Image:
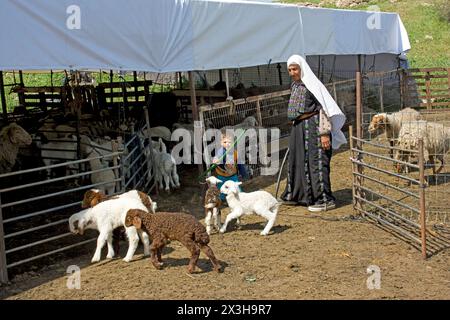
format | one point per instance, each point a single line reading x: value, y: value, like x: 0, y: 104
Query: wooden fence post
x: 448, y: 76
x: 428, y: 89
x: 3, y: 268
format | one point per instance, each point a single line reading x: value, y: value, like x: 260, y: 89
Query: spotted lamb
x: 212, y: 204
x: 95, y: 196
x: 105, y: 217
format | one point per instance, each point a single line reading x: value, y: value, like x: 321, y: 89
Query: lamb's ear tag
x: 137, y: 222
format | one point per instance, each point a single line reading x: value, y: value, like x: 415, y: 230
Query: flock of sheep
x: 134, y: 212
x: 404, y: 129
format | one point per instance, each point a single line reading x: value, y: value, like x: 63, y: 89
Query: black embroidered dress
x: 308, y: 180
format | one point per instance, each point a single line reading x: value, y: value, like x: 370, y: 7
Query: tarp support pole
x: 195, y: 115
x: 3, y: 98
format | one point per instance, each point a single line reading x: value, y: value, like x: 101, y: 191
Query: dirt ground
x: 306, y: 256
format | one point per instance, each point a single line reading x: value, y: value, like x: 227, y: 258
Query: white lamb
x: 105, y: 217
x: 260, y: 202
x: 166, y: 168
x: 436, y: 142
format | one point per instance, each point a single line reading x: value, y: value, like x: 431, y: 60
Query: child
x: 227, y: 166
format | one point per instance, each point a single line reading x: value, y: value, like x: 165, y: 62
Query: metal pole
x: 381, y: 95
x: 147, y: 121
x: 3, y: 268
x: 118, y: 173
x: 280, y: 77
x: 422, y: 199
x: 358, y: 105
x: 195, y: 116
x: 3, y: 98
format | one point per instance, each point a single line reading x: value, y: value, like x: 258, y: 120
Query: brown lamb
x: 93, y: 197
x: 164, y: 226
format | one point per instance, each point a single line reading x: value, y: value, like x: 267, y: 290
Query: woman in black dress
x: 316, y: 122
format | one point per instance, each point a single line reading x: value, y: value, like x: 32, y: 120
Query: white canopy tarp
x: 183, y: 35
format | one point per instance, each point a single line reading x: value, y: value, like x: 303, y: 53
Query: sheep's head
x: 133, y: 218
x: 17, y: 135
x: 148, y: 203
x: 92, y: 197
x: 230, y: 187
x: 251, y: 121
x: 77, y: 223
x: 213, y: 181
x: 377, y: 122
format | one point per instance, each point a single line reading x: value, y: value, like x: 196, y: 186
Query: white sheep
x: 260, y: 202
x: 212, y: 204
x: 12, y: 137
x: 106, y: 176
x: 105, y: 217
x: 247, y: 123
x: 60, y: 150
x: 436, y: 142
x: 166, y: 168
x: 159, y: 132
x: 392, y: 122
x: 93, y: 197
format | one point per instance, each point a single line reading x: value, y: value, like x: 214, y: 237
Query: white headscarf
x: 322, y: 95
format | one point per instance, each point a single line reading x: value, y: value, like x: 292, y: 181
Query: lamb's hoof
x: 109, y: 256
x: 95, y: 259
x: 191, y: 269
x: 158, y: 265
x: 222, y: 230
x: 127, y: 259
x: 218, y: 269
x: 264, y: 233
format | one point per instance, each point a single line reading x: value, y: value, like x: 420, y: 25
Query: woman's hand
x: 325, y: 140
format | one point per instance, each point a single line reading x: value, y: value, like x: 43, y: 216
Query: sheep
x: 392, y: 123
x: 260, y: 202
x: 105, y: 217
x: 166, y: 168
x: 164, y: 226
x: 60, y: 150
x: 94, y: 196
x: 212, y: 204
x: 106, y: 176
x: 12, y: 137
x: 159, y: 132
x: 436, y: 142
x: 247, y: 123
